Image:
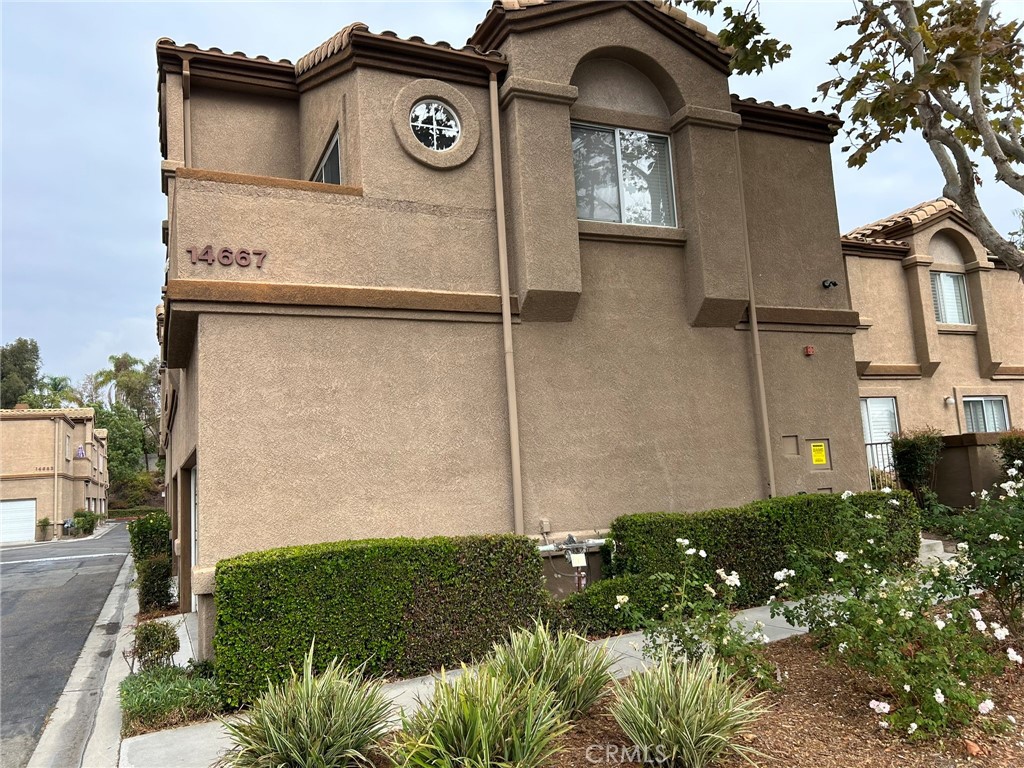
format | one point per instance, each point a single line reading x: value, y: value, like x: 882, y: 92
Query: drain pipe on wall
x: 186, y: 109
x: 754, y: 332
x: 506, y: 313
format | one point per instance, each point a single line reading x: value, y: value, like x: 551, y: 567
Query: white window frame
x: 616, y: 130
x: 318, y: 174
x: 433, y: 128
x: 955, y: 281
x: 983, y: 399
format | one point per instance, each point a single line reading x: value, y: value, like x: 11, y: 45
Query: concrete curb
x: 80, y: 717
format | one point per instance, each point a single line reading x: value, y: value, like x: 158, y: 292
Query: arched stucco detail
x: 949, y: 246
x: 622, y: 64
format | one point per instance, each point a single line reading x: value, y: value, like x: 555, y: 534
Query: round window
x: 435, y: 125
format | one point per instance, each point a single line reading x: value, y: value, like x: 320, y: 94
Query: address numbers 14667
x: 243, y: 257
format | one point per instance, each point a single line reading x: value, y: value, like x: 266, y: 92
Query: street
x: 50, y: 597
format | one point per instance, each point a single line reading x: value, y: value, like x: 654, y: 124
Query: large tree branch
x: 1004, y: 171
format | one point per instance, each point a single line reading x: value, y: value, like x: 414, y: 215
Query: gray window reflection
x: 623, y: 176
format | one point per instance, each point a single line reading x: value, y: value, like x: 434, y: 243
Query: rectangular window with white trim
x: 949, y: 296
x: 986, y: 414
x: 623, y: 176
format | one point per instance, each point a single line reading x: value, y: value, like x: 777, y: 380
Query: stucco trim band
x: 844, y: 318
x: 538, y: 90
x: 224, y: 177
x: 693, y: 114
x: 334, y: 296
x: 634, y: 234
x: 868, y: 370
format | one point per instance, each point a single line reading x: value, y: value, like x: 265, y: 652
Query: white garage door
x: 17, y: 521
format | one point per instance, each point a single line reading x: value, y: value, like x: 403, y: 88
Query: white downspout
x: 506, y: 313
x: 754, y: 333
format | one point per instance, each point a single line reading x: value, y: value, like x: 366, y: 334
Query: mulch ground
x: 821, y: 720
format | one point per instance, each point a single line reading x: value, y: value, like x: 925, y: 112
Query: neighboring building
x: 337, y: 326
x: 53, y: 462
x: 941, y: 340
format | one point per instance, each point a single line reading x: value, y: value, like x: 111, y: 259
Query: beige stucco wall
x: 28, y: 468
x: 316, y: 422
x: 325, y: 238
x: 618, y: 411
x: 244, y: 133
x: 359, y: 428
x: 333, y: 105
x: 792, y: 224
x: 955, y: 361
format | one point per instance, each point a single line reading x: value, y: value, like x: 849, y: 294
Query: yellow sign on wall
x: 819, y: 454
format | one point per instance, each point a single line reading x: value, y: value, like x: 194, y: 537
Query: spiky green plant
x: 686, y: 712
x: 576, y: 671
x: 481, y: 720
x: 330, y: 720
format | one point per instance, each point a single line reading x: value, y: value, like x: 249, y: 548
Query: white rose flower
x: 1001, y: 633
x: 841, y: 556
x: 887, y: 489
x: 912, y: 728
x: 939, y: 697
x: 846, y: 494
x: 986, y: 706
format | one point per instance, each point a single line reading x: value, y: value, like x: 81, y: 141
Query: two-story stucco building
x: 53, y: 462
x: 531, y: 284
x: 941, y: 340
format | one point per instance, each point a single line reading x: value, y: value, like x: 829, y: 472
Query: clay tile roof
x: 786, y: 108
x: 913, y: 216
x: 874, y: 241
x: 166, y: 41
x: 665, y: 6
x: 343, y: 39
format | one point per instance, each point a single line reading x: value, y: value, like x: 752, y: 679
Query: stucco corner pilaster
x: 916, y: 268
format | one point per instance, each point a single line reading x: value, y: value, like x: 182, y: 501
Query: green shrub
x: 686, y: 712
x: 915, y: 453
x: 754, y: 540
x: 917, y: 630
x: 398, y: 605
x: 150, y: 536
x: 698, y: 621
x: 154, y: 583
x: 481, y: 719
x: 993, y: 535
x: 565, y: 663
x: 155, y: 644
x: 596, y: 610
x: 85, y: 521
x: 330, y: 720
x: 163, y: 697
x: 132, y: 491
x: 44, y: 522
x: 1011, y: 449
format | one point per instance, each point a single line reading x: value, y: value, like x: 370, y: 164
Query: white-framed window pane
x: 646, y: 179
x: 329, y: 171
x: 986, y: 414
x: 949, y: 296
x: 597, y: 174
x: 878, y: 418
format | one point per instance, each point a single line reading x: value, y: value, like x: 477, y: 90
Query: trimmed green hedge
x: 150, y: 536
x: 403, y: 606
x: 592, y: 611
x: 754, y: 539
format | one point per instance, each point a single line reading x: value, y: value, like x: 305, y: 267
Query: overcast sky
x: 82, y: 207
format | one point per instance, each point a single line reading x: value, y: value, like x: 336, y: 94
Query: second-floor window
x: 329, y: 170
x: 623, y: 176
x: 986, y: 414
x: 949, y: 295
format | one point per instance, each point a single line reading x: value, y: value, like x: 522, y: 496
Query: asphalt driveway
x: 50, y: 597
